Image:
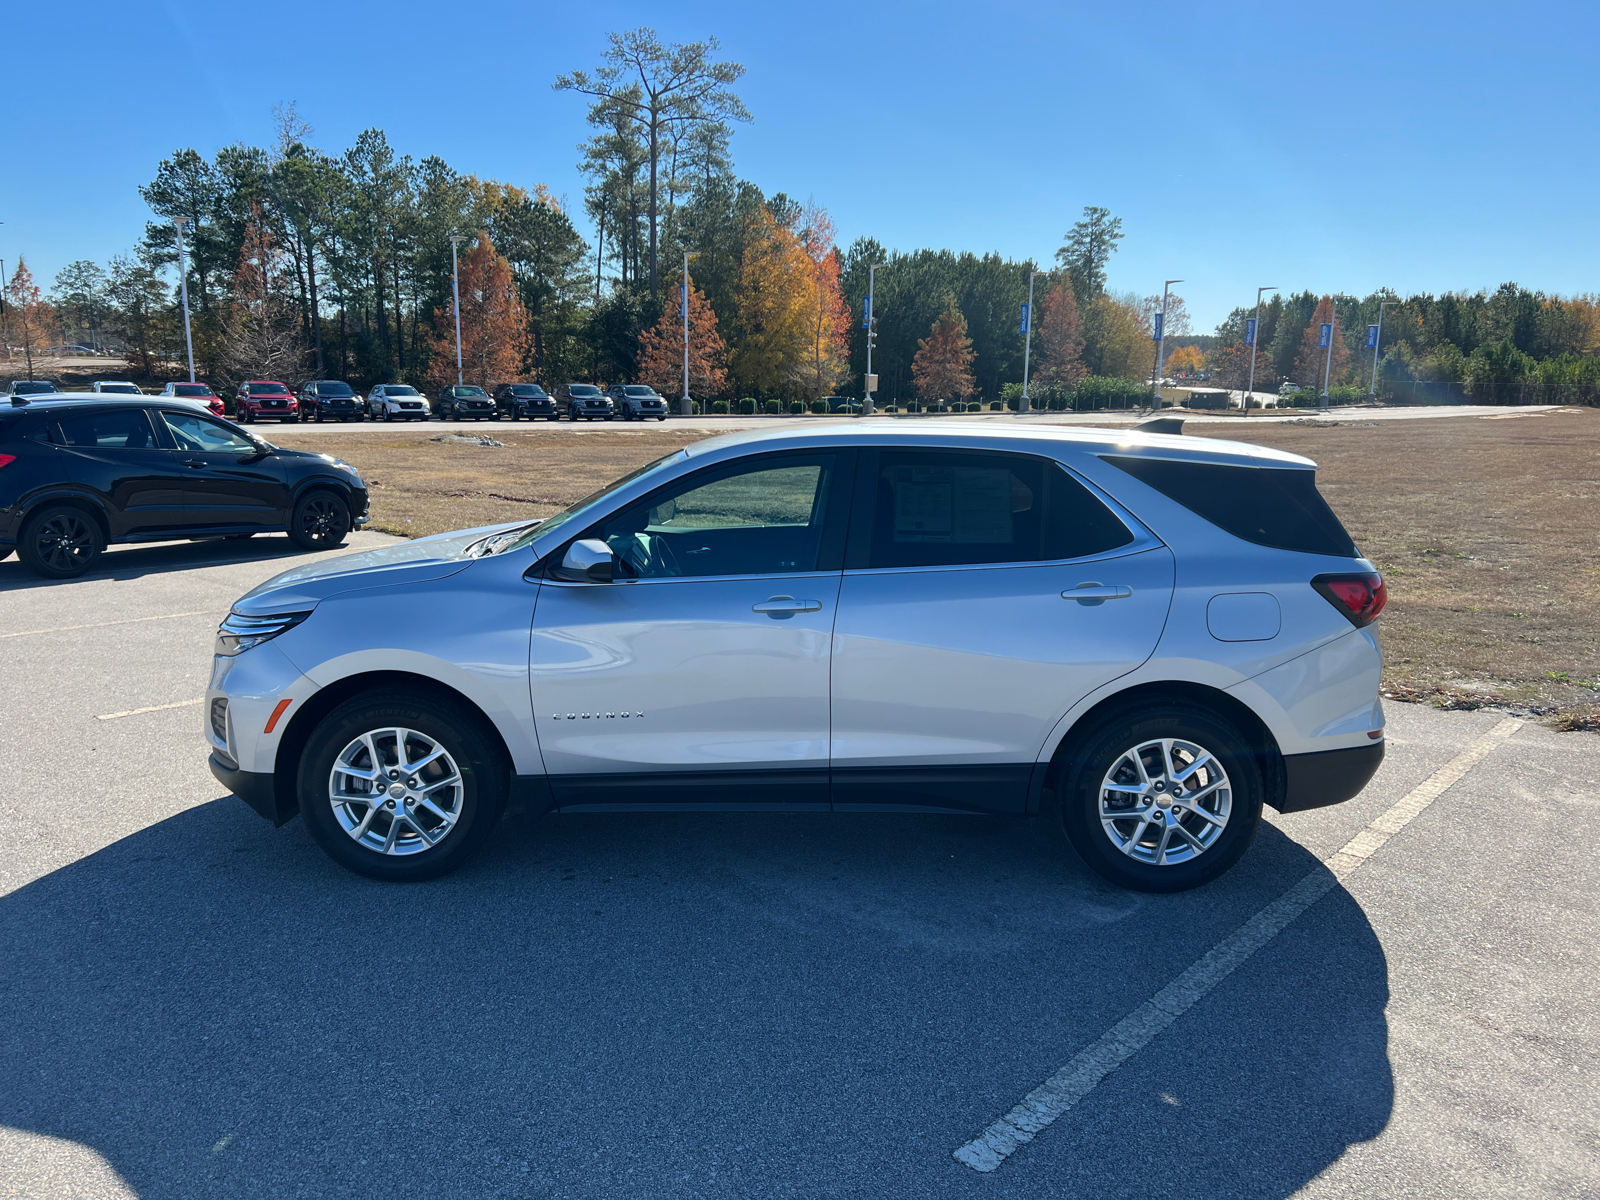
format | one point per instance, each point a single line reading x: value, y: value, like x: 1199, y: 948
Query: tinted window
x: 334, y: 389
x: 194, y: 432
x: 583, y: 389
x: 399, y: 389
x: 119, y: 389
x: 119, y: 429
x: 36, y: 388
x: 1270, y: 506
x: 471, y: 391
x: 527, y: 389
x: 639, y: 391
x: 759, y: 518
x: 942, y: 508
x: 190, y: 389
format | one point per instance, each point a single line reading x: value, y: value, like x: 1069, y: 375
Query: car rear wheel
x: 401, y: 788
x: 60, y: 542
x: 320, y: 522
x: 1162, y: 799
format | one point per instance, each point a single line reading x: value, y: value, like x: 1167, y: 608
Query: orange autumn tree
x: 1309, y: 363
x: 773, y: 306
x: 942, y: 369
x: 1185, y: 359
x: 826, y: 360
x: 661, y: 351
x: 31, y: 313
x: 494, y: 325
x: 1057, y: 342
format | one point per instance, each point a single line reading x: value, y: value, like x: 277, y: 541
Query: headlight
x: 239, y: 632
x: 340, y: 463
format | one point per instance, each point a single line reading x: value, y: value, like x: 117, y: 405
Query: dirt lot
x: 1486, y: 528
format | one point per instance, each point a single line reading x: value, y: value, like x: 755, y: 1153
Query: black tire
x: 662, y: 417
x: 320, y: 521
x: 5, y: 553
x: 316, y: 417
x: 60, y: 542
x: 476, y: 803
x: 1100, y: 749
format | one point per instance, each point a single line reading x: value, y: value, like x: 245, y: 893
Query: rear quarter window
x: 1278, y: 507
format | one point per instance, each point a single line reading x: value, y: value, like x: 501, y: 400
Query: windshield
x: 334, y: 389
x: 583, y: 389
x: 399, y: 389
x: 516, y: 539
x: 190, y: 389
x: 527, y: 389
x: 37, y: 388
x: 471, y: 391
x: 639, y: 391
x: 120, y: 389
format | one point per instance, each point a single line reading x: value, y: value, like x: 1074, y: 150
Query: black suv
x: 330, y: 400
x: 636, y: 401
x: 583, y: 402
x: 78, y: 472
x: 517, y: 400
x: 462, y: 401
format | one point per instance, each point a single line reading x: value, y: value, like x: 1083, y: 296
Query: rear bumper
x: 1328, y: 776
x: 257, y: 789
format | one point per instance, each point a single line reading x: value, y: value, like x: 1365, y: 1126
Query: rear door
x: 116, y: 453
x: 984, y: 594
x: 227, y: 481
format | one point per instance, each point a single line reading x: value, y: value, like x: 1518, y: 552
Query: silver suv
x: 1141, y: 637
x: 638, y: 401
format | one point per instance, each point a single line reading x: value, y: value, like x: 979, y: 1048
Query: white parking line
x: 134, y: 712
x: 104, y: 624
x: 1040, y: 1107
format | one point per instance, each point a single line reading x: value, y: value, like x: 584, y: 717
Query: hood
x: 407, y: 562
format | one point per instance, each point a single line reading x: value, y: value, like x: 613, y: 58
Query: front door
x: 228, y: 482
x: 117, y: 454
x: 699, y: 677
x: 984, y: 594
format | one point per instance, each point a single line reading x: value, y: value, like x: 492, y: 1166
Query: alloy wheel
x: 1165, y: 801
x: 65, y: 542
x: 396, y: 791
x: 320, y: 521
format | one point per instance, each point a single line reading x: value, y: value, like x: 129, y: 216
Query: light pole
x: 455, y: 294
x: 869, y: 382
x: 1327, y: 362
x: 1161, y: 336
x: 683, y: 302
x: 1255, y: 332
x: 1027, y: 342
x: 1372, y: 389
x: 183, y: 288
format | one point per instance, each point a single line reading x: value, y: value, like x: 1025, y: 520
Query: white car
x: 1142, y: 638
x: 117, y: 387
x: 397, y: 402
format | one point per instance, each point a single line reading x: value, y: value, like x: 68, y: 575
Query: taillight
x: 7, y: 459
x: 1359, y: 597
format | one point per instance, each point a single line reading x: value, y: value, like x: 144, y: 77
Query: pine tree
x: 942, y: 369
x: 1059, y: 344
x: 661, y: 351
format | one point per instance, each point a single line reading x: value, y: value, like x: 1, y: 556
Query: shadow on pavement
x: 698, y: 1004
x: 159, y: 558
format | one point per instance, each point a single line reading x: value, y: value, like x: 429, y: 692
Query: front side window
x: 118, y: 429
x: 944, y: 508
x: 762, y: 518
x: 193, y: 432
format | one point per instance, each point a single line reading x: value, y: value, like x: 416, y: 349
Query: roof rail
x: 1161, y: 425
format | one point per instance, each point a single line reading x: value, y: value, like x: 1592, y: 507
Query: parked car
x: 200, y: 393
x: 637, y: 401
x: 116, y: 387
x: 80, y: 470
x: 463, y: 401
x: 517, y: 400
x: 766, y: 620
x: 583, y: 402
x: 844, y: 404
x: 1288, y: 389
x: 31, y: 387
x: 330, y: 400
x: 261, y: 399
x: 397, y: 402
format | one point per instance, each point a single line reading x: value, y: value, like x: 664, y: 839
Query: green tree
x: 1089, y: 245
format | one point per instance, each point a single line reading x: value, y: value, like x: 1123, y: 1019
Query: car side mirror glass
x: 588, y: 560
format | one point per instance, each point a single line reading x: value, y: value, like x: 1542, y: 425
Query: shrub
x: 797, y: 406
x: 819, y: 406
x: 694, y: 407
x: 1101, y: 391
x: 747, y: 408
x: 774, y: 407
x: 975, y: 406
x: 889, y: 408
x: 719, y: 408
x: 913, y: 406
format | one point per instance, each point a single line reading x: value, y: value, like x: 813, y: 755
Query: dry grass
x: 1486, y: 529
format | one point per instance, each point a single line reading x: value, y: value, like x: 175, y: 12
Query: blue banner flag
x: 1024, y: 330
x: 1372, y: 336
x: 1250, y: 331
x: 1326, y: 336
x: 1156, y: 336
x: 866, y: 312
x: 683, y: 301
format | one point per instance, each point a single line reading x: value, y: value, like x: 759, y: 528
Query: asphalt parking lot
x: 755, y: 1005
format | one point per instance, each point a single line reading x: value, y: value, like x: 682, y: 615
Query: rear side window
x: 1270, y: 506
x: 119, y: 429
x: 942, y: 508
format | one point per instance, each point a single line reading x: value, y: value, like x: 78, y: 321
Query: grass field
x: 1487, y: 528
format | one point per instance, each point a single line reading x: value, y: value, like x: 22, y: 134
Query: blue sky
x: 1337, y: 147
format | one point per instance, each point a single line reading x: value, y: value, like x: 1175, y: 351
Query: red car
x: 265, y: 398
x: 197, y: 391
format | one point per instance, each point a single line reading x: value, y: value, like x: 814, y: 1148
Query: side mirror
x: 588, y: 560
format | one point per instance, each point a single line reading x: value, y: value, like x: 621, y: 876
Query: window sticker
x: 958, y: 505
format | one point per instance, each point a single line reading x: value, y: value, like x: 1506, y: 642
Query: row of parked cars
x: 335, y: 400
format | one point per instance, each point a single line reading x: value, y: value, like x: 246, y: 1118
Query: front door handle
x: 196, y: 463
x: 781, y: 608
x: 1091, y: 594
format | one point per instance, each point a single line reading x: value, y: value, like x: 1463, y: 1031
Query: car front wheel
x: 320, y: 522
x: 60, y: 543
x: 1163, y: 799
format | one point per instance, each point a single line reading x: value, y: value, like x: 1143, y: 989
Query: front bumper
x: 1328, y: 776
x: 257, y: 789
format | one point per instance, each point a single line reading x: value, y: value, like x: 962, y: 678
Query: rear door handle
x: 196, y: 463
x: 781, y: 608
x: 1091, y: 594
